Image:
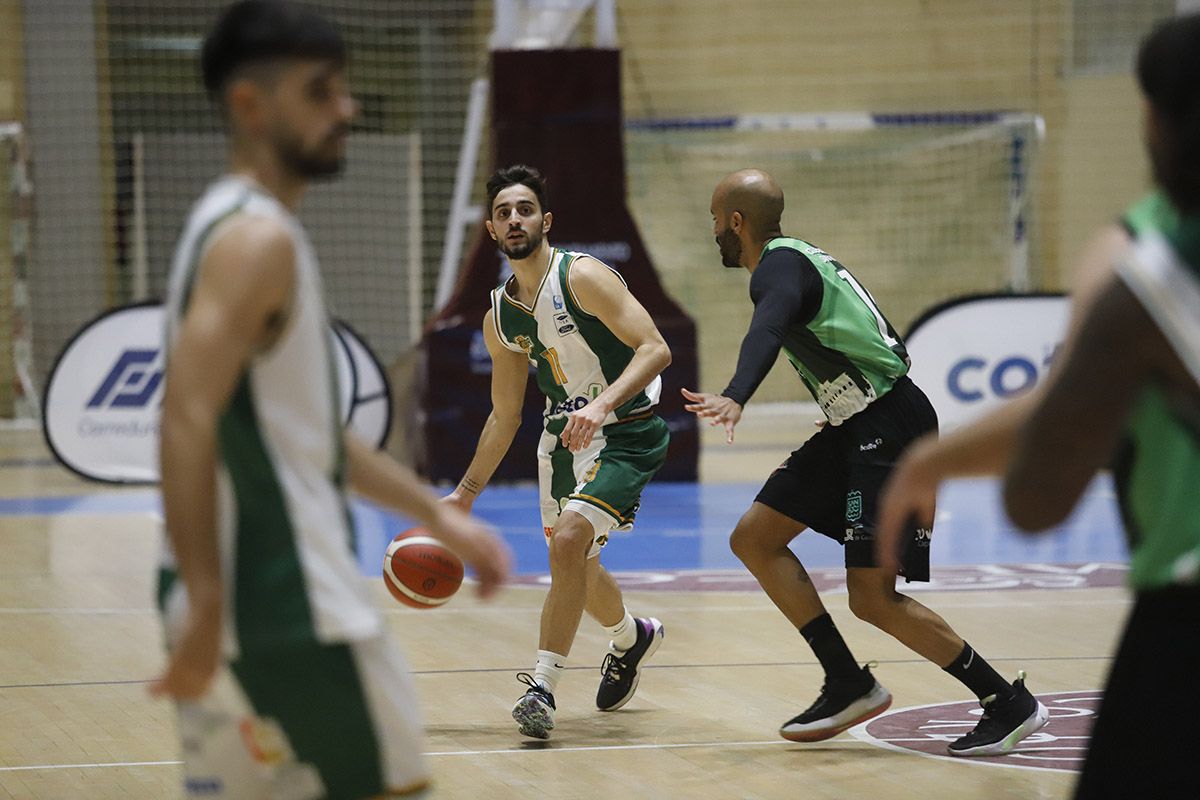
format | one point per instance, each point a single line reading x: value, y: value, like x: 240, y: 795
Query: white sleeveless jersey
x: 575, y: 354
x: 285, y: 532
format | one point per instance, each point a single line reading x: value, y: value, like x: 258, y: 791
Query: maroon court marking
x: 1060, y: 745
x: 994, y: 577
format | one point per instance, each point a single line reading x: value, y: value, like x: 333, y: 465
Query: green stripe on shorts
x: 314, y: 693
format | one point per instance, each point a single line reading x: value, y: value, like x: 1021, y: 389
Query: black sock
x: 831, y: 650
x: 977, y: 675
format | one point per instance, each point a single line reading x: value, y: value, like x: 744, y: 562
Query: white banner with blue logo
x: 973, y: 353
x: 103, y: 397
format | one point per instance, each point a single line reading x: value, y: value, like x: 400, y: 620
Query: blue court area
x: 685, y: 526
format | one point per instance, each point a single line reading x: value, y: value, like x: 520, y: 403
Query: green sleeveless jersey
x: 1158, y: 468
x: 575, y: 354
x: 848, y: 355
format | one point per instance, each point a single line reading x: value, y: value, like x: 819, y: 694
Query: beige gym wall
x: 701, y: 57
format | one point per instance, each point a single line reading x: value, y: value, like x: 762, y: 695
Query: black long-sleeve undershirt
x: 787, y: 290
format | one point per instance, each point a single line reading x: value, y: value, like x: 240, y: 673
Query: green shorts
x: 306, y: 721
x: 604, y: 481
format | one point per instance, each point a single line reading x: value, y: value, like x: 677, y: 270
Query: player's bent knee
x: 571, y: 541
x: 872, y: 605
x: 749, y: 541
x: 742, y: 543
x: 865, y: 608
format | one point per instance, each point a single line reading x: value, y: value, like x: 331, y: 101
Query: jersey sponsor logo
x: 857, y: 533
x: 564, y: 324
x: 567, y: 406
x: 842, y: 398
x: 131, y: 382
x: 862, y: 448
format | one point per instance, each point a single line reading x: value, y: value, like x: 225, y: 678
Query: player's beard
x: 730, y: 247
x: 324, y: 161
x: 526, y: 248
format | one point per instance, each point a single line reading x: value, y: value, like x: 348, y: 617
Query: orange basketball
x: 420, y: 571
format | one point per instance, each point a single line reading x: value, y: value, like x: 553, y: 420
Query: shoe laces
x: 988, y: 702
x: 825, y: 687
x: 531, y: 682
x: 824, y: 694
x: 613, y: 668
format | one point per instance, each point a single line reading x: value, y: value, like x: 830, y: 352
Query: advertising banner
x: 973, y: 353
x: 103, y: 397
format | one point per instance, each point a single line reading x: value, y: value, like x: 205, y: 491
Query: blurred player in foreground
x: 286, y: 682
x: 1125, y: 392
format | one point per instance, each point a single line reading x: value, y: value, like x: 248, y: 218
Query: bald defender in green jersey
x: 856, y: 367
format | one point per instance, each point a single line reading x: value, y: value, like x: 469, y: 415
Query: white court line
x: 93, y: 766
x: 505, y: 751
x: 860, y: 733
x: 587, y: 748
x: 95, y: 612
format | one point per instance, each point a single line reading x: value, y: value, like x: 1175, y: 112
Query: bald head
x: 754, y: 194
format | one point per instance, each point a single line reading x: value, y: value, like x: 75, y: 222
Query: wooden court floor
x: 79, y: 641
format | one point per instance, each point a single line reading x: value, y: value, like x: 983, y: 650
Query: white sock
x: 624, y: 633
x: 549, y: 669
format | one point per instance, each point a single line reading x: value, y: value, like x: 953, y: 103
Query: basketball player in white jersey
x: 286, y: 683
x: 598, y: 355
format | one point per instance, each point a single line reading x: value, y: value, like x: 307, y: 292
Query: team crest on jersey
x: 524, y: 342
x: 558, y: 301
x: 854, y: 506
x: 564, y: 323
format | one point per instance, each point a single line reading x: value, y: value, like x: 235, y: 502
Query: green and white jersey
x: 575, y: 354
x: 284, y: 530
x: 1158, y: 468
x: 848, y: 354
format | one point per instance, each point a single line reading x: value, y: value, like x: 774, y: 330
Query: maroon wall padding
x: 559, y: 111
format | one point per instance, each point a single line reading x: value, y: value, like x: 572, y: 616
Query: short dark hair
x: 1168, y: 71
x: 253, y: 31
x: 510, y: 176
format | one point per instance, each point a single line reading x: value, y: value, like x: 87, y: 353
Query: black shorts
x: 1150, y: 704
x: 832, y: 483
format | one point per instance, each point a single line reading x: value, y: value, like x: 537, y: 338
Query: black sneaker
x: 620, y: 671
x: 838, y: 707
x: 534, y: 712
x: 1005, y: 722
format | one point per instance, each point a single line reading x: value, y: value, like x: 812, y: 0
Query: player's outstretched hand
x: 909, y: 498
x: 716, y: 408
x: 194, y: 657
x: 476, y: 543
